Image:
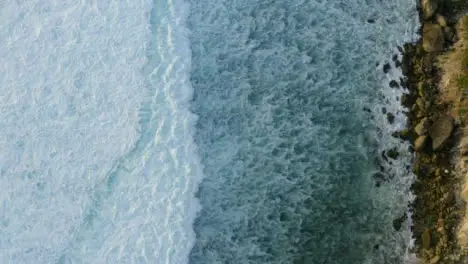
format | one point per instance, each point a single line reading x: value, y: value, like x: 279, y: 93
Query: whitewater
x: 98, y: 163
x: 202, y: 131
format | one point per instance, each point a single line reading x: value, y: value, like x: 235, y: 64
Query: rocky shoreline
x: 435, y: 132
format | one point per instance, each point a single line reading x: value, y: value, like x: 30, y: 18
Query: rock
x: 403, y: 134
x: 434, y: 260
x: 386, y: 67
x: 393, y: 153
x: 371, y: 20
x: 398, y: 64
x: 420, y: 103
x: 394, y: 84
x: 397, y: 223
x: 429, y: 7
x: 420, y: 143
x: 433, y: 38
x: 440, y: 131
x: 450, y: 34
x: 441, y: 20
x: 422, y: 87
x: 390, y: 118
x: 421, y: 127
x: 405, y: 100
x: 426, y: 239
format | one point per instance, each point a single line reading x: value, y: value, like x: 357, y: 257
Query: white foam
x: 97, y: 163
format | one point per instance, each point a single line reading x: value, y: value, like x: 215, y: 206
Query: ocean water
x: 200, y: 132
x: 97, y: 160
x: 290, y: 157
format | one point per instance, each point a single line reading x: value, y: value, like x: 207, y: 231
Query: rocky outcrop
x: 436, y: 212
x: 440, y: 132
x: 428, y: 8
x: 433, y: 38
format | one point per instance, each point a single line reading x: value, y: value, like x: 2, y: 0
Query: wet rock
x: 404, y: 100
x: 386, y: 67
x: 371, y: 20
x: 397, y: 223
x: 420, y: 143
x: 433, y: 38
x: 422, y: 126
x: 390, y: 118
x: 393, y: 153
x: 384, y: 110
x: 397, y: 64
x: 429, y: 7
x: 440, y: 131
x: 394, y: 84
x: 403, y: 134
x: 366, y: 109
x: 450, y: 34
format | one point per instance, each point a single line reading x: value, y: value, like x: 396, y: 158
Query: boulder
x: 433, y: 38
x: 441, y: 20
x: 421, y: 127
x: 450, y: 34
x: 394, y: 84
x: 429, y: 7
x: 426, y: 239
x: 420, y: 143
x: 440, y: 131
x: 390, y: 118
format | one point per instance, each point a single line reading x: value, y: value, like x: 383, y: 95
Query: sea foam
x: 97, y: 161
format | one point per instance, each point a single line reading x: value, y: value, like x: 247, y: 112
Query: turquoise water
x: 202, y: 132
x: 289, y: 154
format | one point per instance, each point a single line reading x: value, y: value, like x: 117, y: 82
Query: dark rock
x: 394, y: 57
x: 386, y: 67
x: 366, y: 109
x: 390, y: 118
x: 420, y: 143
x: 393, y: 153
x: 394, y: 84
x: 384, y: 110
x: 450, y: 34
x: 440, y: 131
x: 429, y: 7
x: 397, y: 64
x: 433, y: 38
x: 405, y: 100
x: 371, y: 20
x: 403, y: 134
x: 397, y: 223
